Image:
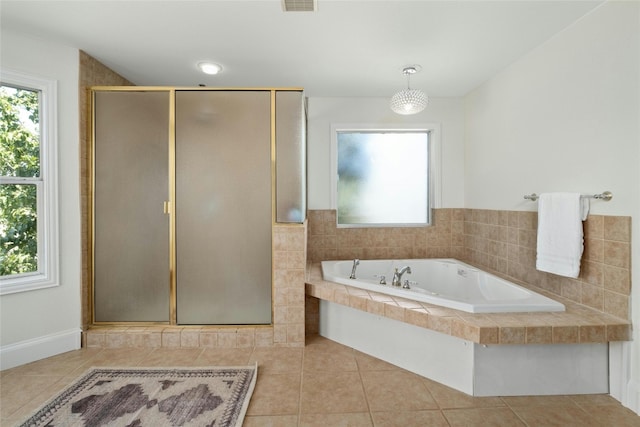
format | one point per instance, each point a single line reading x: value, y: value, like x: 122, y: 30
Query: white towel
x: 560, y: 235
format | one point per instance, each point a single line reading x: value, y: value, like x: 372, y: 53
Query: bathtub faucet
x: 356, y: 262
x: 397, y: 275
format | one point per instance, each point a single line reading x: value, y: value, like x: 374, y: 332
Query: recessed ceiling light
x: 209, y: 67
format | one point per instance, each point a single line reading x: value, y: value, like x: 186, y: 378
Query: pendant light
x: 409, y: 101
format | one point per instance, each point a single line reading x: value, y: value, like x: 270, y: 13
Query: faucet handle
x: 383, y: 280
x: 406, y: 285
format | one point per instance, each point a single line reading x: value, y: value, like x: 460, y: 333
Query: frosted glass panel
x: 383, y: 178
x: 223, y: 207
x: 291, y: 159
x: 131, y: 255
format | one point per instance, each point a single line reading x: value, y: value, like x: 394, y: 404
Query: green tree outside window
x: 19, y: 174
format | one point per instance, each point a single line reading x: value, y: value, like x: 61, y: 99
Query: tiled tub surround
x: 287, y: 330
x: 578, y: 324
x: 500, y: 242
x: 504, y: 242
x: 445, y: 239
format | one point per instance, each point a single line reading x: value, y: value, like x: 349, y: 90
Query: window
x: 28, y: 190
x: 383, y: 177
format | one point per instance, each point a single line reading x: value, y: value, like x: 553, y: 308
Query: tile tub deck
x: 578, y: 324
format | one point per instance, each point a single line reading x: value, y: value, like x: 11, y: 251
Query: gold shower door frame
x: 169, y: 205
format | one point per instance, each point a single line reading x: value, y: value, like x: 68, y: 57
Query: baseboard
x: 632, y: 400
x: 623, y: 388
x: 23, y: 352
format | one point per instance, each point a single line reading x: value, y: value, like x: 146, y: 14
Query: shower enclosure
x: 187, y: 186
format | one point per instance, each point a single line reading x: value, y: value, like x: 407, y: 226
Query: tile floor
x: 323, y: 384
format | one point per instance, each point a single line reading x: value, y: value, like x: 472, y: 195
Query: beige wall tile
x: 208, y: 339
x: 116, y: 340
x: 227, y: 338
x: 617, y: 279
x: 440, y: 324
x: 375, y: 307
x: 394, y: 312
x: 527, y: 220
x: 616, y: 304
x: 418, y: 317
x: 539, y: 335
x: 617, y: 254
x: 464, y: 330
x: 617, y: 228
x: 357, y: 302
x: 246, y: 338
x: 592, y: 333
x: 565, y: 334
x: 190, y: 338
x: 171, y: 338
x: 571, y: 289
x: 592, y: 296
x: 593, y: 250
x: 594, y: 227
x: 512, y: 335
x: 264, y: 337
x: 618, y: 332
x: 295, y: 335
x: 94, y: 339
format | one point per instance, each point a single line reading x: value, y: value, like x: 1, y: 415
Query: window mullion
x: 19, y: 180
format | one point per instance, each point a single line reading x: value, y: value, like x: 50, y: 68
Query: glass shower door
x: 131, y: 231
x: 223, y: 207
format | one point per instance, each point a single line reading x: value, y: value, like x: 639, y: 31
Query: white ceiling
x: 345, y: 48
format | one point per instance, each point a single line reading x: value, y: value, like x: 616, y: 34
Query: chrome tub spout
x: 397, y: 275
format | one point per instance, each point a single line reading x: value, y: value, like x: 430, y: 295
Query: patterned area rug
x: 140, y: 397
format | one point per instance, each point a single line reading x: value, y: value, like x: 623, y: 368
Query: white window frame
x: 47, y: 187
x: 435, y: 170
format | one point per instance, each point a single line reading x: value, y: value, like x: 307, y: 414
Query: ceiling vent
x: 299, y: 5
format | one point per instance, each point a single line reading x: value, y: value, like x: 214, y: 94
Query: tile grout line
x: 364, y: 389
x: 304, y: 354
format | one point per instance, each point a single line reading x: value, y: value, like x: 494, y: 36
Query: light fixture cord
x: 408, y: 73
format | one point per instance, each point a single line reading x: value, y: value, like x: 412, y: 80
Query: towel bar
x: 606, y: 196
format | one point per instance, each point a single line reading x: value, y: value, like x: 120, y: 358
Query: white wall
x: 323, y: 112
x: 566, y: 117
x: 36, y: 322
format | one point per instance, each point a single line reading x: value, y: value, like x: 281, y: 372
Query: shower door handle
x: 167, y: 208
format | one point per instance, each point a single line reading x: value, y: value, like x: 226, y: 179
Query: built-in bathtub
x: 467, y: 365
x: 444, y: 282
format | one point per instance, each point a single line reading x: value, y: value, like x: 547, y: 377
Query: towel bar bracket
x: 605, y: 196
